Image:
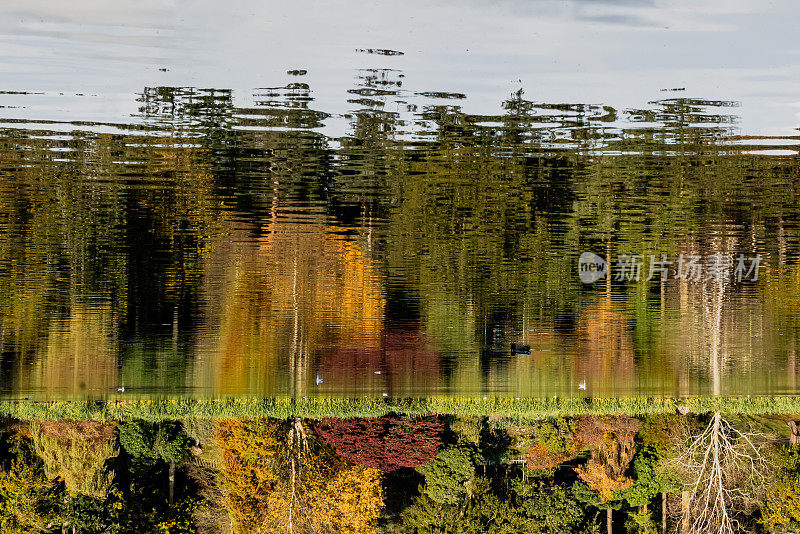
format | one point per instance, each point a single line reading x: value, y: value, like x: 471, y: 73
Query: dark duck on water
x: 520, y: 349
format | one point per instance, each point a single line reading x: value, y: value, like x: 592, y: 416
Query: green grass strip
x: 173, y: 408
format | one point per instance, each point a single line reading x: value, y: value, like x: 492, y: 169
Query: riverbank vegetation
x: 396, y: 474
x: 167, y: 408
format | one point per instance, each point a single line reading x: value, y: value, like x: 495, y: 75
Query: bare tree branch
x: 718, y: 465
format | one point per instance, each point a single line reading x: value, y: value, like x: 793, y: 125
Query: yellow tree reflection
x: 303, y: 284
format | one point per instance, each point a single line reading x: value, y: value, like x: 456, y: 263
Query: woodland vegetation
x: 403, y: 475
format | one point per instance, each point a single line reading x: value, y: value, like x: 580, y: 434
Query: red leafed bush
x: 388, y: 443
x: 539, y: 457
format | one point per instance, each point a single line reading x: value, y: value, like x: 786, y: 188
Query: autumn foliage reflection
x: 277, y: 299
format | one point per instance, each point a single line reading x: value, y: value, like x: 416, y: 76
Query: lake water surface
x: 349, y: 200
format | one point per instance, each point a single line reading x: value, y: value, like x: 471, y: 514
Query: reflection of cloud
x: 621, y: 19
x: 612, y: 51
x: 120, y: 13
x: 649, y: 17
x: 637, y: 3
x: 797, y: 114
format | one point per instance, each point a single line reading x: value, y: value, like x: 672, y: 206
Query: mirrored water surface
x: 351, y: 214
x: 213, y: 249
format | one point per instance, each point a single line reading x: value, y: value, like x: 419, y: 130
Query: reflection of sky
x: 614, y: 52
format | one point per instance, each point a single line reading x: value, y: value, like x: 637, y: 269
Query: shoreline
x: 169, y: 408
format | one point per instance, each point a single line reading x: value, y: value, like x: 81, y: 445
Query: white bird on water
x: 319, y: 379
x: 582, y: 385
x: 121, y: 389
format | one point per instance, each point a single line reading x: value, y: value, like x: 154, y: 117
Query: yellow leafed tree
x: 77, y: 452
x: 293, y: 485
x: 611, y: 440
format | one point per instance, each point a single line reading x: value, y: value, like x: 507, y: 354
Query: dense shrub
x: 388, y: 443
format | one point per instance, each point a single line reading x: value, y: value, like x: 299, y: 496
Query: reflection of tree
x: 299, y: 287
x: 80, y: 261
x: 475, y: 222
x: 400, y: 352
x: 59, y: 271
x: 713, y: 313
x: 81, y: 350
x: 607, y: 346
x: 190, y: 112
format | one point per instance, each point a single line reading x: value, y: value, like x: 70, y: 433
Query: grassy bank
x: 317, y: 407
